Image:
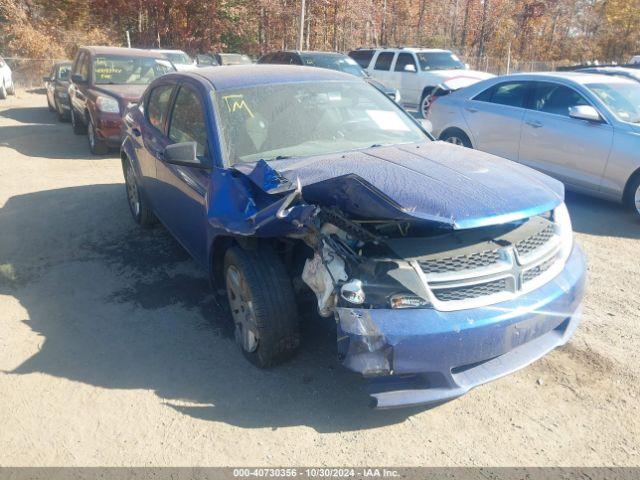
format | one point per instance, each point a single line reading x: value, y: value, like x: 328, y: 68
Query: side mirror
x: 585, y: 112
x: 182, y: 154
x: 77, y: 78
x: 410, y: 67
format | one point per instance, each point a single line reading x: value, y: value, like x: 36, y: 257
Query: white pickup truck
x: 415, y: 72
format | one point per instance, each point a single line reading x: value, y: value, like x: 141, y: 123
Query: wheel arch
x: 627, y: 187
x: 452, y: 129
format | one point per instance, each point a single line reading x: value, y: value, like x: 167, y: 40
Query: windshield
x: 179, y: 58
x: 334, y: 62
x: 622, y: 98
x: 117, y: 69
x: 310, y: 118
x: 439, y: 61
x: 234, y: 59
x: 63, y: 72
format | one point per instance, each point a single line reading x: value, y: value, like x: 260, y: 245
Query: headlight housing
x: 563, y: 223
x: 107, y: 104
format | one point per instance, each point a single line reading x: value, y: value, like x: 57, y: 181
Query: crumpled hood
x: 434, y: 181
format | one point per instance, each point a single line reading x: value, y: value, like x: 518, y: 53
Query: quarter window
x: 158, y: 105
x: 187, y: 120
x: 383, y: 62
x: 511, y: 94
x: 554, y: 98
x: 405, y: 59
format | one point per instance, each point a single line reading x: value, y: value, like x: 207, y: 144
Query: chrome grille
x: 538, y: 270
x: 461, y: 262
x: 472, y: 291
x: 528, y: 245
x: 476, y: 274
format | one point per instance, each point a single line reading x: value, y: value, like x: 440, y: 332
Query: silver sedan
x: 583, y: 129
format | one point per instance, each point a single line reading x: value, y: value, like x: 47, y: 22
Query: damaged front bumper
x: 427, y: 357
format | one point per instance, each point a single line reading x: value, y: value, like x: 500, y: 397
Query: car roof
x: 238, y: 76
x: 582, y: 78
x: 131, y: 52
x: 64, y: 63
x: 406, y: 49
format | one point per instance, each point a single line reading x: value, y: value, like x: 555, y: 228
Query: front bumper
x: 427, y: 357
x: 109, y: 128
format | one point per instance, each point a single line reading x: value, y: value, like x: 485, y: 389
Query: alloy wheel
x: 424, y: 106
x: 132, y: 191
x: 637, y: 200
x: 246, y: 332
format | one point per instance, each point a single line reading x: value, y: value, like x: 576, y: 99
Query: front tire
x: 457, y: 137
x: 262, y: 304
x: 78, y: 127
x: 425, y: 102
x: 96, y: 144
x: 12, y: 89
x: 3, y: 92
x: 141, y: 214
x: 62, y: 116
x: 632, y: 200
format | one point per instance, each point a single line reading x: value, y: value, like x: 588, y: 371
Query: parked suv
x: 330, y: 60
x: 103, y: 82
x: 57, y: 85
x: 6, y: 80
x: 415, y: 72
x: 442, y: 267
x: 581, y: 128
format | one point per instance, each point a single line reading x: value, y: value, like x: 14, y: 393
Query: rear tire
x: 457, y: 137
x: 141, y: 214
x: 262, y: 303
x: 632, y: 200
x: 78, y: 127
x: 96, y: 144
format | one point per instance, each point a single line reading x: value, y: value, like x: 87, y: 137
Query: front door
x: 181, y: 199
x: 572, y: 150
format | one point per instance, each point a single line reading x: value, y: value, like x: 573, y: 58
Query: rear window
x: 363, y: 57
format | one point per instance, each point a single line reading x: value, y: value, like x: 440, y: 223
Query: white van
x: 415, y: 72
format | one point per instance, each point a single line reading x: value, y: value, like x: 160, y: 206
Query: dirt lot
x: 112, y: 351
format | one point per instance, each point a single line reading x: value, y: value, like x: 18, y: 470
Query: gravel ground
x: 112, y: 351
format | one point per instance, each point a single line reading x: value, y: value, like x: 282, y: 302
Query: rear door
x: 382, y: 68
x: 494, y: 118
x: 182, y: 189
x: 407, y: 78
x: 572, y: 150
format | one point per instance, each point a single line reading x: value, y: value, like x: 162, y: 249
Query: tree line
x: 542, y: 30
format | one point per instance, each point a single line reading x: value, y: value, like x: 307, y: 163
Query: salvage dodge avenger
x: 443, y: 267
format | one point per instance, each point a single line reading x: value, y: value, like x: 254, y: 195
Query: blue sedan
x: 443, y: 267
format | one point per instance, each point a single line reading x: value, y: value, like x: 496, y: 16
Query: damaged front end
x: 425, y: 309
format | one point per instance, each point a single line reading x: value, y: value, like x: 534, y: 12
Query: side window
x: 363, y: 57
x: 383, y: 62
x: 405, y: 59
x: 158, y: 105
x: 512, y: 94
x: 294, y: 59
x: 554, y: 98
x: 84, y: 67
x: 187, y: 120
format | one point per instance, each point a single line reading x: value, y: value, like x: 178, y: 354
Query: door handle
x: 534, y: 124
x: 471, y: 110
